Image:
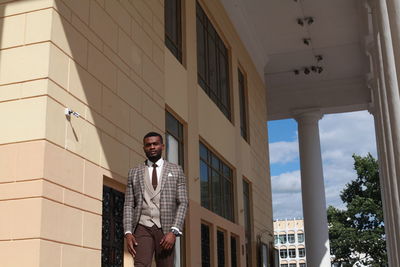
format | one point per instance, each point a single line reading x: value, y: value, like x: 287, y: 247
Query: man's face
x: 153, y: 148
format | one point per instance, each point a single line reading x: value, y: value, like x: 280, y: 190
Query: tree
x: 357, y: 233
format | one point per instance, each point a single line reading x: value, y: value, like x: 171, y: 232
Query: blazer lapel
x: 141, y: 176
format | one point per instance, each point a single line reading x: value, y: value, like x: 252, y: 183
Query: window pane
x: 173, y: 149
x: 174, y: 140
x: 233, y: 251
x: 205, y: 246
x: 216, y: 193
x: 300, y: 237
x: 173, y: 27
x: 204, y: 179
x: 291, y: 238
x: 201, y: 50
x: 247, y: 220
x: 292, y: 253
x: 221, y: 248
x: 283, y: 253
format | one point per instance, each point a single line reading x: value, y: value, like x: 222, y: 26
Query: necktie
x: 154, y: 180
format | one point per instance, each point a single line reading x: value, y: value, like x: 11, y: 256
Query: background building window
x: 282, y: 239
x: 284, y: 265
x: 276, y: 239
x: 300, y: 237
x: 221, y: 248
x: 292, y: 265
x: 212, y: 63
x: 234, y: 254
x: 112, y: 241
x: 216, y: 184
x: 173, y: 27
x: 205, y: 245
x: 243, y: 105
x: 174, y: 140
x: 283, y: 253
x: 292, y: 253
x: 302, y: 264
x: 291, y: 238
x: 302, y: 252
x: 247, y: 220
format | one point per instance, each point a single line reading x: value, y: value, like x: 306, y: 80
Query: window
x: 302, y: 264
x: 300, y: 237
x: 173, y: 27
x: 283, y: 253
x: 247, y: 220
x: 216, y: 184
x: 205, y: 245
x: 284, y: 265
x: 212, y: 63
x: 112, y: 250
x: 221, y: 248
x: 292, y: 265
x: 234, y: 255
x: 302, y: 252
x: 291, y: 238
x: 174, y: 139
x: 243, y: 106
x: 276, y: 239
x: 282, y: 238
x: 292, y: 253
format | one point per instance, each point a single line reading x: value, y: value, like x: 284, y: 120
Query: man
x: 155, y: 206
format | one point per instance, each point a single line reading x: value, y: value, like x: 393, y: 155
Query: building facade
x: 81, y: 82
x: 290, y: 243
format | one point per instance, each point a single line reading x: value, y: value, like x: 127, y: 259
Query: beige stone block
x: 6, y: 222
x: 56, y: 122
x: 157, y: 8
x: 52, y: 191
x: 120, y: 63
x: 115, y: 109
x: 69, y: 39
x: 143, y: 9
x: 126, y: 139
x: 139, y: 125
x: 87, y: 32
x: 158, y: 57
x: 63, y: 9
x: 129, y: 91
x: 100, y: 122
x: 21, y: 189
x: 79, y: 8
x: 158, y: 26
x: 34, y: 88
x: 61, y: 223
x: 50, y: 253
x: 115, y: 156
x: 77, y: 256
x: 136, y: 158
x: 148, y: 28
x: 93, y: 180
x: 103, y: 25
x: 17, y: 7
x: 119, y: 14
x: 13, y: 29
x: 26, y: 208
x: 153, y: 112
x: 102, y: 68
x: 77, y: 200
x: 30, y: 160
x: 38, y: 26
x: 128, y: 50
x: 143, y: 40
x: 64, y: 168
x: 10, y: 91
x: 58, y: 66
x: 92, y: 226
x: 30, y: 115
x: 8, y: 163
x: 84, y: 86
x: 11, y: 253
x: 24, y: 63
x: 153, y: 76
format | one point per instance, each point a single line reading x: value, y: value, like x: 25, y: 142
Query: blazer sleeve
x: 129, y: 203
x: 181, y: 200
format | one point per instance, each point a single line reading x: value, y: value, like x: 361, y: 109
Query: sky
x: 342, y: 135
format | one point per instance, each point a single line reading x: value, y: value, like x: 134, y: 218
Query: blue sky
x: 341, y: 135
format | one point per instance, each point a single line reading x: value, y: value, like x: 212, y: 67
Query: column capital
x: 307, y: 115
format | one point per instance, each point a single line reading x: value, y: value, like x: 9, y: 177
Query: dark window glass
x: 174, y: 140
x: 216, y: 184
x: 173, y: 27
x: 276, y: 239
x: 291, y: 238
x: 302, y: 252
x: 292, y: 265
x: 283, y: 253
x: 283, y: 239
x: 292, y: 253
x: 205, y: 246
x: 221, y: 248
x: 234, y: 256
x: 112, y: 250
x: 212, y: 63
x: 284, y: 265
x: 243, y: 106
x: 300, y: 237
x: 247, y: 220
x: 302, y: 265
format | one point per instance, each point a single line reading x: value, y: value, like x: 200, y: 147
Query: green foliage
x: 357, y: 233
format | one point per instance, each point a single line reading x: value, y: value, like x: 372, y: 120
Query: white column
x: 313, y: 190
x: 393, y: 14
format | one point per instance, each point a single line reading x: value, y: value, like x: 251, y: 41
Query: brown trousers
x: 148, y: 239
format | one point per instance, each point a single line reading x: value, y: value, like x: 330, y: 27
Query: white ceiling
x: 274, y: 39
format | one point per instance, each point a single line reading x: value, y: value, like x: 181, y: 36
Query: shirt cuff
x: 177, y: 229
x: 128, y: 232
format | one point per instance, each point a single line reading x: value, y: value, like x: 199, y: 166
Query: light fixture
x: 319, y: 58
x: 296, y: 72
x: 300, y: 22
x: 320, y: 69
x: 306, y: 41
x: 309, y: 20
x: 306, y: 71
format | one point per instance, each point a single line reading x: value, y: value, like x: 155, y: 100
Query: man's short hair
x: 150, y: 134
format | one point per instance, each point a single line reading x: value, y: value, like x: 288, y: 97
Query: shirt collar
x: 159, y: 163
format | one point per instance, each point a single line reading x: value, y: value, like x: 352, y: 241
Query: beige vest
x: 151, y: 202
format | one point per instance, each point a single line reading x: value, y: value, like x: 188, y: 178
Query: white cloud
x: 341, y: 136
x: 283, y: 152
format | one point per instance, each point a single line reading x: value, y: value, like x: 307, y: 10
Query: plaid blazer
x: 173, y: 198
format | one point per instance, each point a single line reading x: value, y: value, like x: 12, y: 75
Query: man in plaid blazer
x: 155, y: 206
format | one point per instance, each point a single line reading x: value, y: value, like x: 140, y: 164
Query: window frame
x: 175, y: 46
x: 243, y: 105
x: 290, y: 253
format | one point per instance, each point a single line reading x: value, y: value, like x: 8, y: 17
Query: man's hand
x: 168, y: 241
x: 131, y: 243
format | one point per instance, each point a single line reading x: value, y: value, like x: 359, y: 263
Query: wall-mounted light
x: 303, y: 21
x: 306, y: 71
x: 307, y: 41
x: 296, y: 72
x: 319, y: 58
